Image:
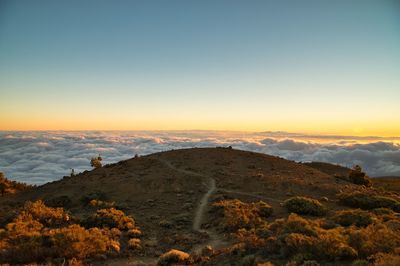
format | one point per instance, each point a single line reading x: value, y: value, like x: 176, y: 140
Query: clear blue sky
x: 311, y: 66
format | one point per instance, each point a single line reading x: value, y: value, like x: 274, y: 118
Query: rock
x: 207, y: 251
x: 324, y: 199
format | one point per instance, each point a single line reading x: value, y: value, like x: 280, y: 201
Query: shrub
x: 373, y: 239
x: 40, y: 232
x: 173, y: 256
x: 303, y: 239
x: 134, y: 243
x: 358, y: 177
x: 367, y: 201
x: 76, y: 241
x: 382, y: 259
x: 46, y: 215
x: 96, y: 162
x: 304, y: 205
x: 327, y: 245
x: 9, y: 187
x: 134, y: 232
x: 293, y: 224
x: 251, y: 238
x: 111, y: 218
x: 238, y: 214
x: 353, y: 217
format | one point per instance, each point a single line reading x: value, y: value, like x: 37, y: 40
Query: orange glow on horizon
x: 107, y: 123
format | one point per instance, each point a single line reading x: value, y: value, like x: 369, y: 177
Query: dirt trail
x: 201, y: 208
x: 214, y: 239
x: 198, y: 218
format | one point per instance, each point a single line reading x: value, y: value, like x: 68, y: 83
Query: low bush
x: 353, y: 217
x: 383, y: 259
x: 296, y: 236
x: 293, y: 224
x: 46, y: 215
x: 373, y: 239
x: 304, y: 205
x: 366, y: 201
x: 134, y: 243
x: 39, y: 233
x: 173, y: 257
x: 238, y: 214
x: 111, y: 218
x: 134, y: 232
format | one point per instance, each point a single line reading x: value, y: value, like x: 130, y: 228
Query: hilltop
x: 173, y: 197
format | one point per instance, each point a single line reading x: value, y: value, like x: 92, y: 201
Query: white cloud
x: 39, y: 157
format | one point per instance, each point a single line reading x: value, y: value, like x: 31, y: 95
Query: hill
x: 173, y: 198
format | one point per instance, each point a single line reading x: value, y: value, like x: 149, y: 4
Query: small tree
x: 96, y: 162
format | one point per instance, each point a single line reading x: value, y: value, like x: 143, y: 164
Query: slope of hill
x: 170, y: 195
x: 330, y: 169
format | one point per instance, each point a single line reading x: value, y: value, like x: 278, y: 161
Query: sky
x: 317, y: 67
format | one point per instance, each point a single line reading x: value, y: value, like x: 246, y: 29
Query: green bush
x: 353, y: 217
x: 367, y: 201
x: 304, y: 205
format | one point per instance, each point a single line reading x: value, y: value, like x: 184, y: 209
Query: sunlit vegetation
x: 9, y: 187
x: 238, y: 214
x: 96, y: 162
x: 40, y: 233
x: 305, y: 205
x: 346, y: 236
x: 111, y: 218
x: 174, y: 257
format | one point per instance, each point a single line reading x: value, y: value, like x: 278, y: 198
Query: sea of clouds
x: 40, y: 157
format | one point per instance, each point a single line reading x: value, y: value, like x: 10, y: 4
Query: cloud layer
x: 39, y: 157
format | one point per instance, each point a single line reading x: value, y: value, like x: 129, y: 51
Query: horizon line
x: 294, y: 134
